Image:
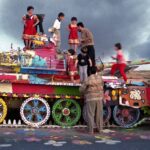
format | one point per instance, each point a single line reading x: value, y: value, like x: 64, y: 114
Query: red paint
x: 46, y: 52
x: 8, y: 77
x: 148, y: 95
x: 32, y: 89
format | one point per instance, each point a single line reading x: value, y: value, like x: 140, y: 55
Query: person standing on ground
x: 56, y: 29
x: 121, y: 63
x: 87, y: 40
x: 92, y: 89
x: 73, y: 34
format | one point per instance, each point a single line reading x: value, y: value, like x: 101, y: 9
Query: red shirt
x: 73, y: 32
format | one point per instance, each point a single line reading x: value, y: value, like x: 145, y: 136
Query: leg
x: 58, y: 43
x: 30, y: 43
x: 81, y: 74
x: 26, y: 43
x: 70, y: 45
x: 90, y: 109
x: 85, y: 73
x: 114, y: 68
x: 75, y: 47
x: 91, y: 53
x: 99, y: 115
x: 122, y: 68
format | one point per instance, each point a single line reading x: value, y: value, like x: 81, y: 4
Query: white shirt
x: 57, y: 24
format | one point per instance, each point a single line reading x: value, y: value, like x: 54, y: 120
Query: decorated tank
x: 36, y: 89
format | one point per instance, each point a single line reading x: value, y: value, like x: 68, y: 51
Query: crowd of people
x: 92, y: 84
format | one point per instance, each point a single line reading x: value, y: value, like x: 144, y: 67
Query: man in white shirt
x: 56, y: 30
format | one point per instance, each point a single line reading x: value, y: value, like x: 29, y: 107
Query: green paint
x: 67, y: 90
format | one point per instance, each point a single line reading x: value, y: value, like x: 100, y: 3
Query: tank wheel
x: 35, y: 111
x: 126, y: 116
x: 66, y: 112
x: 106, y: 113
x: 3, y: 110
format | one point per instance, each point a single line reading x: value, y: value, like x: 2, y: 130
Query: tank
x: 36, y: 89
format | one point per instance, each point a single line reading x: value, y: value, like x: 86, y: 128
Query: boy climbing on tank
x: 71, y: 62
x: 82, y: 61
x: 121, y: 63
x: 56, y: 30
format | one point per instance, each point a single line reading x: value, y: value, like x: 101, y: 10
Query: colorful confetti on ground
x: 43, y: 139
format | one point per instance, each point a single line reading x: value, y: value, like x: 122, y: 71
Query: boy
x: 83, y: 61
x: 56, y: 30
x: 121, y: 63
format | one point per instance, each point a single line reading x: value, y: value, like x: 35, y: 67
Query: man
x: 87, y: 41
x: 56, y: 29
x: 92, y: 89
x: 40, y: 24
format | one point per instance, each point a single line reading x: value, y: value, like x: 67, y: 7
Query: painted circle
x: 66, y: 112
x: 106, y: 113
x: 126, y: 116
x: 35, y: 111
x: 3, y: 110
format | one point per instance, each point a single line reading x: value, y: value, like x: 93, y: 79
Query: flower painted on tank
x: 81, y: 142
x: 55, y: 143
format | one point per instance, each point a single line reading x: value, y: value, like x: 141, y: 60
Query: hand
x: 112, y: 57
x: 34, y: 25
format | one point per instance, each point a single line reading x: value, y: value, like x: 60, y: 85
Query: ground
x: 74, y: 139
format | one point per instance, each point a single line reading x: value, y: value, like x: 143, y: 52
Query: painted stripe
x: 32, y: 89
x: 5, y: 87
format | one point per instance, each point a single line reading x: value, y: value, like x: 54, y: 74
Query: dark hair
x: 80, y: 24
x: 118, y: 45
x: 29, y: 8
x: 61, y: 14
x: 83, y: 49
x: 74, y: 19
x: 93, y: 70
x: 71, y: 51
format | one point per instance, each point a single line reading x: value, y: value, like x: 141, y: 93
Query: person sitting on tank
x: 71, y: 64
x: 120, y: 62
x: 30, y: 21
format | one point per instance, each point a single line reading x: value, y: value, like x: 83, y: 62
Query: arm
x: 90, y: 61
x: 37, y: 20
x: 83, y: 88
x: 88, y: 37
x: 24, y: 20
x: 76, y: 63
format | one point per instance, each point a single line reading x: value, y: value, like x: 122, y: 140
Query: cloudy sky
x: 125, y: 21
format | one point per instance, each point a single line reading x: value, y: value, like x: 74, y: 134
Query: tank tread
x: 15, y: 124
x: 142, y: 121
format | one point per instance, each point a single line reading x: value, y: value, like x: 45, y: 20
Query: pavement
x: 74, y: 139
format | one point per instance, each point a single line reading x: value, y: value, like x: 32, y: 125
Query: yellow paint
x: 17, y: 69
x: 77, y: 97
x: 113, y: 92
x: 36, y: 95
x: 67, y: 96
x: 46, y: 96
x: 5, y: 88
x: 4, y: 94
x: 15, y: 95
x: 4, y: 113
x: 57, y: 96
x: 25, y: 95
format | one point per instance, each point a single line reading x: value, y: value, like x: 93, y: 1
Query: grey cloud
x: 110, y: 21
